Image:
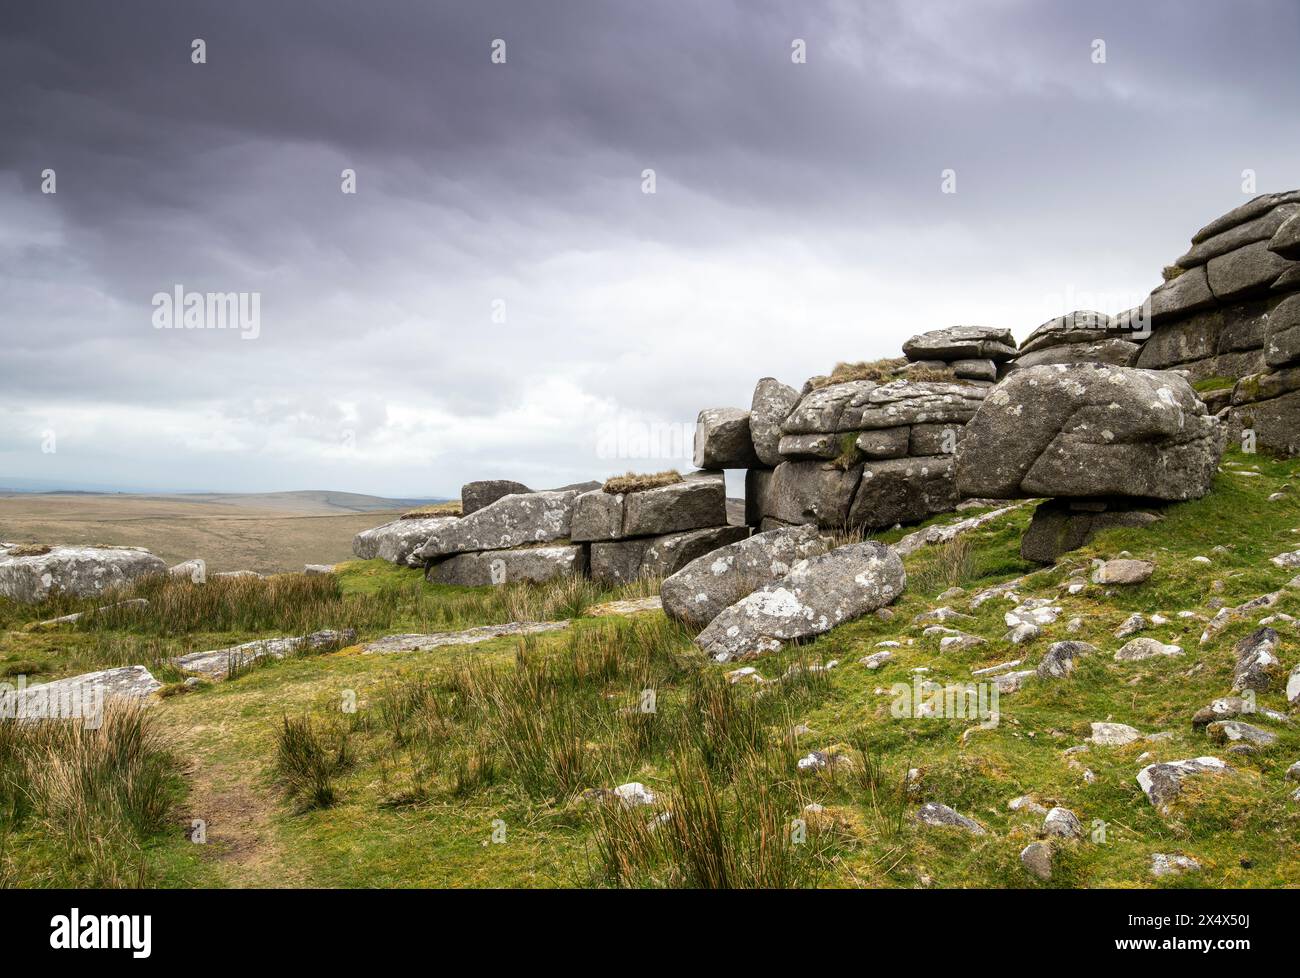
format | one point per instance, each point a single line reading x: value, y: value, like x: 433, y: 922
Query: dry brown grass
x: 637, y: 482
x: 28, y: 550
x: 877, y: 370
x: 450, y: 508
x: 933, y: 375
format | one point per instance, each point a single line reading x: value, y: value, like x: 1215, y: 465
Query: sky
x: 575, y: 224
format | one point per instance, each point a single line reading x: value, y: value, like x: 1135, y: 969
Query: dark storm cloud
x: 798, y: 218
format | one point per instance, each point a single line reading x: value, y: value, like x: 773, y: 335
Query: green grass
x: 474, y: 766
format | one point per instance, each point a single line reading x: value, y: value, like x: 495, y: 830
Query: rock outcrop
x: 1103, y: 440
x: 31, y: 574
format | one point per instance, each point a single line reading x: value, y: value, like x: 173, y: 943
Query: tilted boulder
x: 773, y: 401
x: 395, y: 542
x: 1081, y: 326
x: 1116, y: 352
x: 535, y: 564
x: 962, y: 343
x: 475, y: 495
x: 818, y: 594
x: 703, y: 588
x: 32, y: 574
x: 1286, y: 242
x: 1086, y: 430
x: 722, y: 439
x: 510, y: 522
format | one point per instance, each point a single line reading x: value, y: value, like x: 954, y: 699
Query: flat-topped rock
x: 722, y: 439
x: 1261, y: 228
x: 1163, y: 783
x: 468, y: 636
x: 962, y: 343
x: 217, y: 664
x: 1248, y: 211
x: 78, y: 697
x: 1085, y: 430
x: 1080, y: 326
x: 397, y: 541
x: 818, y: 594
x: 706, y: 586
x: 699, y: 501
x: 933, y: 814
x: 511, y: 521
x: 1115, y: 352
x: 908, y: 402
x: 535, y: 564
x: 32, y: 574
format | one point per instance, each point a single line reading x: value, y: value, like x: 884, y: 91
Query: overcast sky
x: 798, y: 217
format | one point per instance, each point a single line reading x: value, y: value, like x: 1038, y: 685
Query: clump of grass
x: 28, y: 550
x: 640, y: 482
x: 946, y: 565
x: 562, y: 597
x: 880, y: 371
x: 887, y: 796
x: 452, y: 508
x: 308, y: 761
x: 937, y: 375
x: 103, y: 792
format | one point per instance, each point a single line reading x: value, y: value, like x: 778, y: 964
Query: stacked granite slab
x: 1229, y: 310
x: 655, y: 532
x: 973, y: 353
x: 865, y: 453
x: 1083, y: 336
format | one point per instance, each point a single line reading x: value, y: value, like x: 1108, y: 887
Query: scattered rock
x: 1172, y: 865
x: 1062, y: 823
x: 1256, y: 662
x: 634, y: 795
x: 76, y: 571
x: 1145, y: 648
x: 1114, y: 734
x: 196, y: 569
x: 1037, y: 860
x: 468, y: 636
x: 876, y: 659
x: 217, y: 664
x: 1132, y: 625
x: 1123, y: 572
x: 1234, y: 731
x: 934, y: 814
x: 1163, y: 783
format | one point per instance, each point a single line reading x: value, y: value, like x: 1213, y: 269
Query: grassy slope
x: 226, y: 734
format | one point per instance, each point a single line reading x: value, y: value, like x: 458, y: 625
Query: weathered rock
x: 1248, y: 211
x: 706, y: 586
x: 903, y: 490
x: 943, y: 533
x: 316, y: 570
x: 1261, y: 228
x: 699, y: 501
x: 195, y: 569
x: 962, y: 343
x: 1234, y: 731
x: 810, y: 492
x: 935, y: 439
x: 217, y: 664
x: 1276, y: 423
x: 1085, y: 430
x: 1163, y: 783
x: 536, y: 564
x: 1172, y: 865
x: 511, y: 521
x: 668, y: 554
x: 1249, y: 269
x: 884, y: 442
x: 77, y: 571
x: 818, y: 594
x: 1282, y: 340
x: 1116, y: 352
x: 1293, y: 687
x: 597, y: 515
x: 1286, y: 240
x: 941, y: 816
x: 819, y: 411
x: 1223, y: 708
x: 1139, y: 649
x: 1256, y: 661
x: 1078, y: 327
x: 773, y: 401
x: 1123, y: 571
x: 634, y: 795
x: 76, y: 698
x: 975, y: 369
x: 1059, y: 660
x: 1058, y: 528
x: 1062, y: 823
x: 908, y: 402
x: 468, y: 636
x: 1114, y: 734
x: 1037, y: 860
x: 475, y: 495
x: 876, y: 659
x: 397, y: 541
x: 1186, y: 293
x: 815, y: 446
x: 722, y: 439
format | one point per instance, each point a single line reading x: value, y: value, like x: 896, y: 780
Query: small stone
x: 934, y: 814
x: 1123, y: 572
x: 876, y: 659
x: 634, y: 795
x: 1172, y: 865
x: 1022, y: 632
x: 1131, y: 626
x: 1114, y: 734
x: 1146, y: 648
x: 1059, y: 660
x: 1063, y: 823
x: 1026, y: 803
x: 1037, y: 860
x: 1232, y: 731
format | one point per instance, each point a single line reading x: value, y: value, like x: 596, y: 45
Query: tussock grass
x: 452, y: 508
x: 308, y: 761
x: 640, y: 482
x: 102, y: 793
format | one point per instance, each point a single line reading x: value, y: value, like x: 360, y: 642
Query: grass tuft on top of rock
x: 449, y: 508
x: 635, y: 482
